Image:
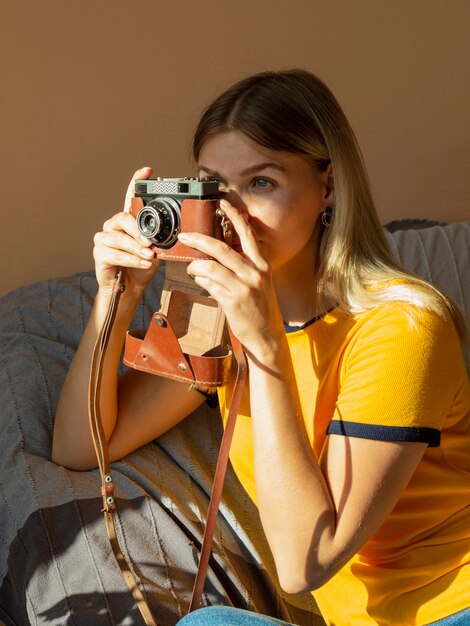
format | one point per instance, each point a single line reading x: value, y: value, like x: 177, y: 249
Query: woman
x: 353, y: 434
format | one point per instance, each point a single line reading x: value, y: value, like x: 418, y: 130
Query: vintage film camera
x: 172, y: 205
x: 186, y: 339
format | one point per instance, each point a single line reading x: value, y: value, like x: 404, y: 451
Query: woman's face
x: 280, y: 193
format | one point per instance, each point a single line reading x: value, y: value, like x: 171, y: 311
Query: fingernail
x: 146, y: 263
x: 144, y: 240
x: 184, y: 236
x: 146, y: 252
x: 224, y: 203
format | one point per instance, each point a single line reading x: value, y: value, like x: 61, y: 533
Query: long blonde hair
x: 294, y: 111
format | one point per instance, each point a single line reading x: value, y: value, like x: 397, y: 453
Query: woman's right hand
x: 120, y: 244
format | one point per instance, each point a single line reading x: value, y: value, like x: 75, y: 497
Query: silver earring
x: 327, y: 215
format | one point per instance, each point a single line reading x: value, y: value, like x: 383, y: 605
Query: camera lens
x: 149, y: 224
x: 159, y: 221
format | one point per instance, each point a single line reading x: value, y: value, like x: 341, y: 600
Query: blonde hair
x: 294, y: 111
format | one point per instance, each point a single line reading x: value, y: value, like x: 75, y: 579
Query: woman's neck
x: 295, y: 283
x: 296, y: 295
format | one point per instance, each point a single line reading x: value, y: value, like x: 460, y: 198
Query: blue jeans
x: 226, y: 616
x: 462, y: 618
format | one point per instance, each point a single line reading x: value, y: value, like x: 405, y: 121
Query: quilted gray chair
x: 55, y: 562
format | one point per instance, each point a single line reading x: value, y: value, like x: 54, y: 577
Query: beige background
x: 93, y: 90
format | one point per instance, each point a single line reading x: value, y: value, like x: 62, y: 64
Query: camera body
x: 164, y: 207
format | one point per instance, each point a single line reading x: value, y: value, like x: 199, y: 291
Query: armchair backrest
x: 441, y: 255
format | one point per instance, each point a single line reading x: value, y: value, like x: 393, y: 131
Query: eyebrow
x: 252, y: 169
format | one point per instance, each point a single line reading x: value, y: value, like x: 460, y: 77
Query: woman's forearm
x: 72, y: 441
x: 296, y: 509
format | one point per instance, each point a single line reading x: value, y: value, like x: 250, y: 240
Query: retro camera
x: 165, y: 202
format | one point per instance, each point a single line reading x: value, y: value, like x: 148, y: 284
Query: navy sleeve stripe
x: 431, y: 436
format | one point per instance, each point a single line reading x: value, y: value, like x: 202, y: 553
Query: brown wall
x: 93, y: 90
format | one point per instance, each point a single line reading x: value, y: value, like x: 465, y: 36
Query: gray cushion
x: 440, y: 255
x: 55, y: 563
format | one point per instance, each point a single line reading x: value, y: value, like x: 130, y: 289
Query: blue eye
x: 261, y: 183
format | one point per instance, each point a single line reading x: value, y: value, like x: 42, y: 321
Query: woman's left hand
x: 241, y: 282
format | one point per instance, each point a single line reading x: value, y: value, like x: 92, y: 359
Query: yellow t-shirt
x: 386, y: 375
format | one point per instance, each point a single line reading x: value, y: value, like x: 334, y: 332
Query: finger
x: 125, y: 222
x: 220, y: 278
x: 112, y: 257
x: 245, y: 232
x: 219, y: 250
x: 118, y: 240
x: 239, y: 264
x: 120, y: 233
x: 216, y: 289
x: 225, y: 265
x: 209, y: 269
x: 143, y: 173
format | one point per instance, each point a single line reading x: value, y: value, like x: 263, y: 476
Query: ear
x: 329, y: 179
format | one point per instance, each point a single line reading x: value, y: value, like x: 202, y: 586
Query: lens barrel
x: 160, y: 221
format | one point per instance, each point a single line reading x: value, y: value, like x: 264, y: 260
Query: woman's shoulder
x: 396, y: 327
x: 394, y: 315
x: 407, y: 318
x: 407, y: 333
x: 394, y: 330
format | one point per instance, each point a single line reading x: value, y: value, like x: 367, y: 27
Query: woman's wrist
x: 128, y: 301
x: 269, y: 353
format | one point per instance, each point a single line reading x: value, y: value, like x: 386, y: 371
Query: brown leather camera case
x: 186, y: 339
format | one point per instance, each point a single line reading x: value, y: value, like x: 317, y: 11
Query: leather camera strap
x: 101, y: 448
x: 107, y: 486
x: 220, y: 471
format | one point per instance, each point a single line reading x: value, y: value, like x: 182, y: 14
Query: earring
x: 327, y: 215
